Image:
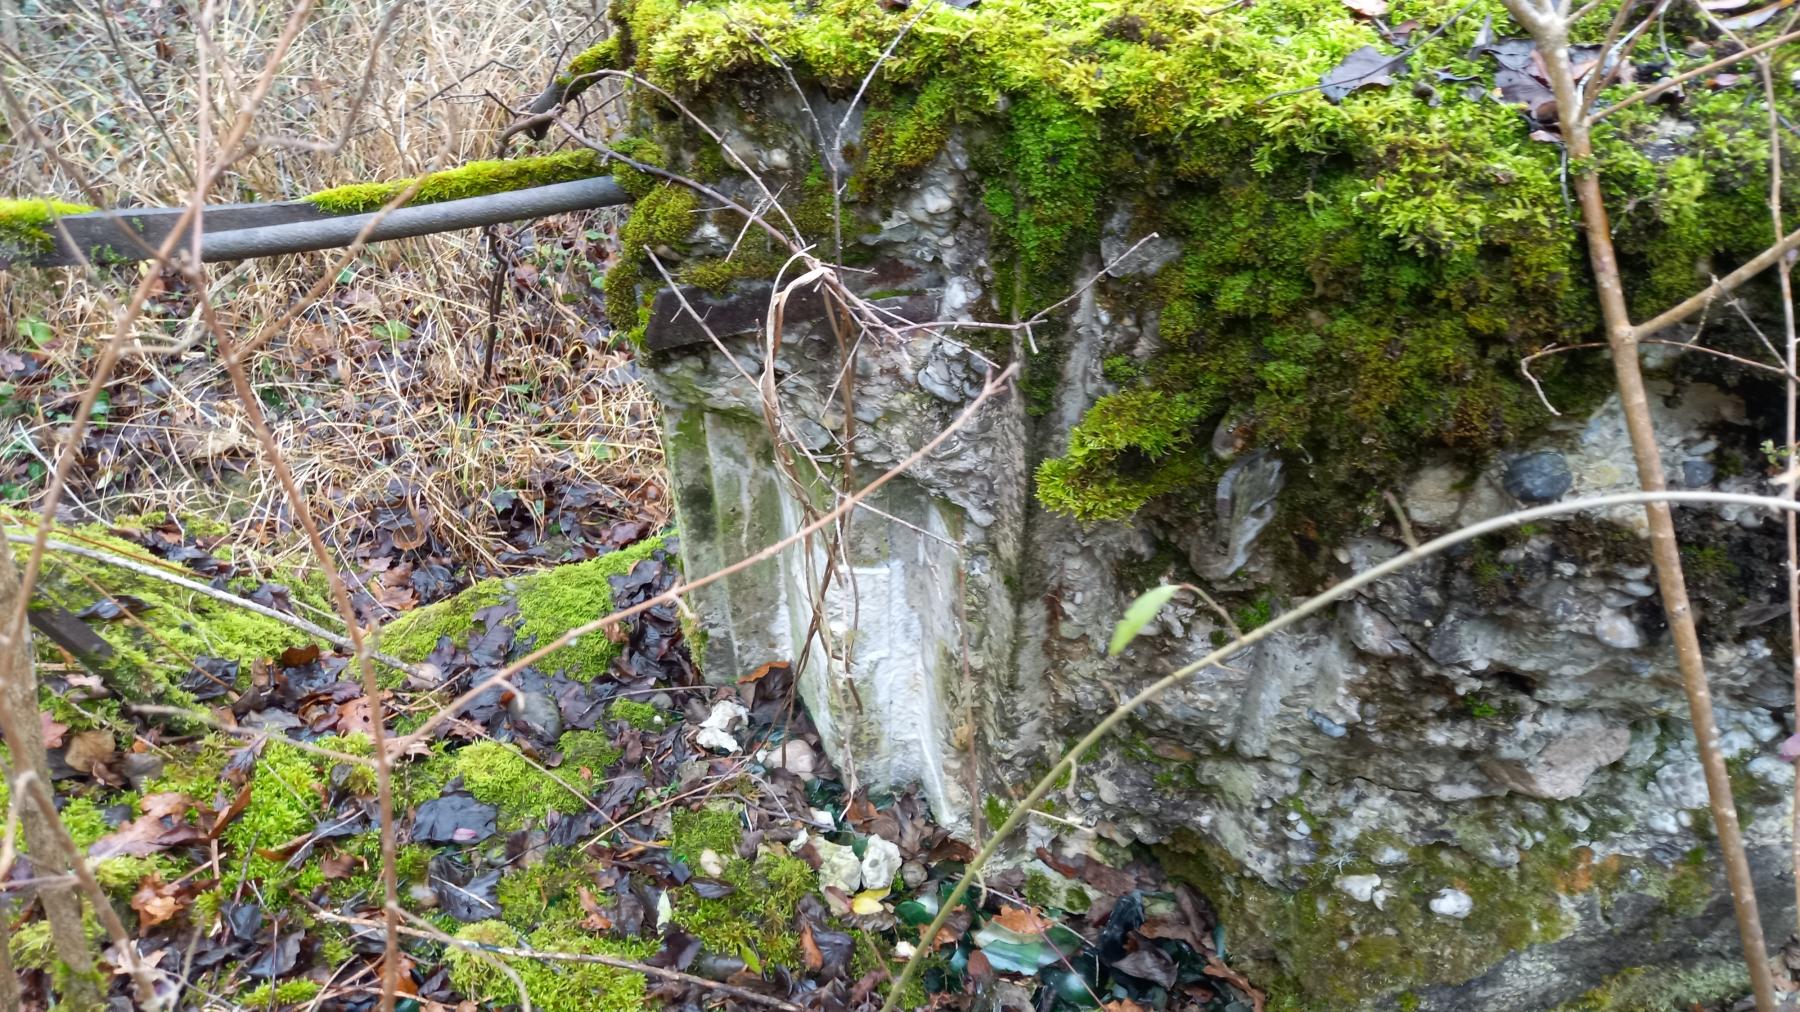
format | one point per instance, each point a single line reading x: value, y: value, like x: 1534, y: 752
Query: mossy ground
x: 1358, y: 280
x: 152, y: 653
x: 550, y: 603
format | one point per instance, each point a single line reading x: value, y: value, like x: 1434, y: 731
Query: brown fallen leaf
x: 1216, y: 967
x: 53, y: 730
x: 356, y: 716
x: 1022, y: 920
x: 809, y: 950
x: 88, y: 749
x: 162, y: 825
x: 157, y: 901
x: 338, y: 866
x: 596, y: 919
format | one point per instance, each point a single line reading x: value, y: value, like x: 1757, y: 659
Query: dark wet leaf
x: 678, y: 950
x: 1368, y: 67
x: 210, y: 678
x: 711, y: 889
x: 1148, y: 963
x: 453, y: 818
x: 114, y: 607
x: 279, y: 958
x: 462, y: 894
x: 273, y: 595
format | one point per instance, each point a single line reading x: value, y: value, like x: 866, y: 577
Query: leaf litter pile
x: 608, y: 839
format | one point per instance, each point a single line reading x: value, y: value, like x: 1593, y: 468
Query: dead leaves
x: 157, y: 901
x: 1368, y: 67
x: 163, y: 824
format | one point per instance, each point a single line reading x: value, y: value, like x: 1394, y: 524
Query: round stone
x: 1452, y: 903
x: 1538, y: 477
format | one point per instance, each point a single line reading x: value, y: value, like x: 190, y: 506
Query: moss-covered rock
x: 550, y: 603
x: 1358, y: 279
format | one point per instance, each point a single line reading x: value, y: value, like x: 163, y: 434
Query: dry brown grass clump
x: 375, y: 392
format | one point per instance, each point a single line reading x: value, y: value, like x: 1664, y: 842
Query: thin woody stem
x: 1551, y: 34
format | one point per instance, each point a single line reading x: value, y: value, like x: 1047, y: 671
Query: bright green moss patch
x: 147, y: 667
x: 25, y: 223
x: 500, y: 776
x: 278, y: 995
x: 554, y: 986
x: 641, y: 715
x: 475, y: 179
x: 1357, y: 281
x: 588, y: 750
x: 717, y: 828
x: 550, y: 603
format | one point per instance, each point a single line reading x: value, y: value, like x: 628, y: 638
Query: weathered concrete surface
x: 1472, y: 784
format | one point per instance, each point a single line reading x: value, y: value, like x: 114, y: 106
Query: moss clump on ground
x: 25, y: 223
x: 755, y: 921
x: 501, y: 776
x: 554, y: 986
x: 279, y: 995
x: 1357, y: 280
x: 641, y: 715
x: 592, y: 751
x: 475, y: 179
x: 148, y: 666
x: 550, y: 603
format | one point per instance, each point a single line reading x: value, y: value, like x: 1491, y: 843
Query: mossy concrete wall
x: 1469, y: 788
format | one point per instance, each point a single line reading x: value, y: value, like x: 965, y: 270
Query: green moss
x: 1659, y: 988
x: 714, y: 828
x: 287, y: 800
x: 593, y: 751
x: 1358, y: 279
x: 501, y: 776
x: 641, y: 715
x: 279, y: 995
x: 147, y: 667
x: 754, y: 922
x: 475, y: 179
x: 550, y: 603
x: 25, y: 223
x: 554, y: 986
x: 717, y: 275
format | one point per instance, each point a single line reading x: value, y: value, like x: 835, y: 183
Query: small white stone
x: 1360, y: 888
x: 714, y: 730
x: 1617, y: 631
x: 711, y: 863
x: 880, y: 863
x: 838, y: 867
x: 1390, y: 855
x: 1453, y: 903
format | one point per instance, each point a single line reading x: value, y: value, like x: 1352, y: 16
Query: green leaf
x: 1139, y: 615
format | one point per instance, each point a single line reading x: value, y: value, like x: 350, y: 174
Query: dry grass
x: 371, y: 392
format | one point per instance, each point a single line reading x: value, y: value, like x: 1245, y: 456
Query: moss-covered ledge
x: 1357, y: 280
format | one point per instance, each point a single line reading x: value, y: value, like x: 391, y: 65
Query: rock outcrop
x: 1470, y: 786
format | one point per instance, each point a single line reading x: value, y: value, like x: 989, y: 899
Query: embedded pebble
x: 1453, y: 903
x: 880, y: 863
x: 838, y: 866
x: 1360, y: 888
x: 1538, y: 477
x: 1617, y: 631
x: 1390, y: 855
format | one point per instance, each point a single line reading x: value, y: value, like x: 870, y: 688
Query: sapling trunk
x: 44, y: 842
x: 1550, y: 31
